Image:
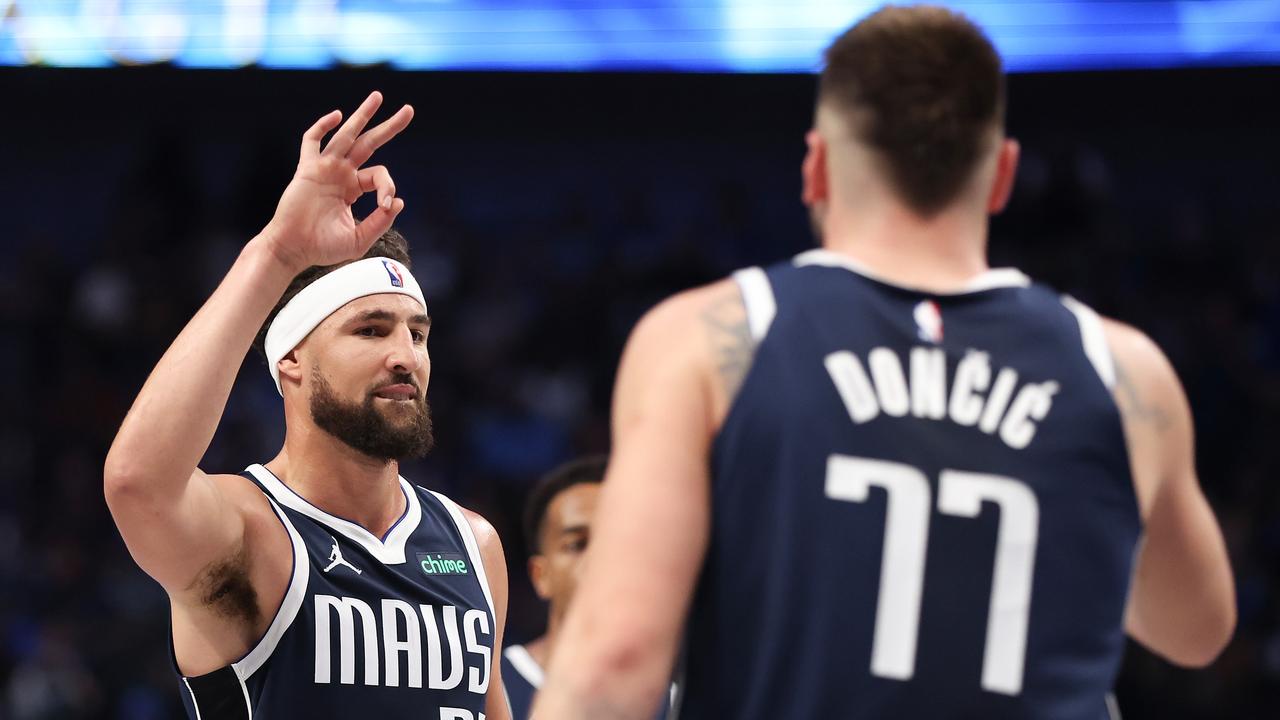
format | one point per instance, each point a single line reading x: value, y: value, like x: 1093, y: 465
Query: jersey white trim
x: 194, y: 702
x: 473, y: 550
x: 989, y: 280
x: 524, y: 664
x: 289, y: 607
x: 388, y: 552
x: 757, y: 298
x: 248, y: 705
x: 1094, y: 338
x: 1113, y: 707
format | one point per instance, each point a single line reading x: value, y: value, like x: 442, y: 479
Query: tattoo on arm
x: 725, y: 321
x: 1134, y: 408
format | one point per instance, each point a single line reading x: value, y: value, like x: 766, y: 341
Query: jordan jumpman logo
x: 335, y: 558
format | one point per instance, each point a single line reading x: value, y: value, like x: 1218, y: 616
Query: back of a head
x: 923, y: 88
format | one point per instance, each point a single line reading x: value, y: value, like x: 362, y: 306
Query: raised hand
x: 313, y: 224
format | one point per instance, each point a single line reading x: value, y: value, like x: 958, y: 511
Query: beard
x: 369, y: 431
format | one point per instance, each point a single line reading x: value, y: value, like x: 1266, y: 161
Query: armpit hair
x: 224, y: 587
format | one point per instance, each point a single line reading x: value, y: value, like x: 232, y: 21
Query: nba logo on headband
x: 396, y: 279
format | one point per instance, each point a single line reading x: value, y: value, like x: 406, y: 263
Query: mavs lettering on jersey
x: 397, y: 626
x: 922, y: 506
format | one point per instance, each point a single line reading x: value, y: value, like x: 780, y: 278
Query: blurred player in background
x: 882, y: 480
x: 557, y: 529
x: 321, y: 583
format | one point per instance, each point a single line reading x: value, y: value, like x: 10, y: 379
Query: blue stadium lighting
x: 626, y: 35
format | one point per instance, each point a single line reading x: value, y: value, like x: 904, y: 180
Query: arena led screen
x: 580, y: 35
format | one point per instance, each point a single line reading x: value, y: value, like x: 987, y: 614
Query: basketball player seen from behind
x: 320, y: 584
x: 883, y: 480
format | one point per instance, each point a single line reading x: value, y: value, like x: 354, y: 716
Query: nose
x: 403, y: 354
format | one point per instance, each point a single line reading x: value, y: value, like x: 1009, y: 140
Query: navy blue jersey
x: 921, y: 506
x: 397, y: 626
x: 521, y: 678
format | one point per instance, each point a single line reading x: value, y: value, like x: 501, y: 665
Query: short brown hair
x: 390, y: 245
x: 924, y: 88
x: 588, y: 469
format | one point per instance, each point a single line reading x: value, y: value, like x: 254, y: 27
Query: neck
x: 540, y: 650
x: 543, y: 648
x: 339, y: 480
x: 941, y: 254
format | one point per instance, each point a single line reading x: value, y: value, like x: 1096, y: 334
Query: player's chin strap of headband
x: 321, y: 298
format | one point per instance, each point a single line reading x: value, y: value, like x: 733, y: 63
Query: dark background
x: 546, y: 213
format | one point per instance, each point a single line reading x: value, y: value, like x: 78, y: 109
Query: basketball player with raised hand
x: 321, y: 583
x: 882, y: 480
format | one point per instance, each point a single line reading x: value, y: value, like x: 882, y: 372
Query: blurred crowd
x: 537, y: 255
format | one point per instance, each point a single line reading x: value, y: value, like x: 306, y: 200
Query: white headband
x: 321, y: 298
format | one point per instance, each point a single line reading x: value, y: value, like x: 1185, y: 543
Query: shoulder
x: 695, y: 343
x: 690, y: 310
x: 490, y: 545
x: 1153, y: 409
x: 486, y: 536
x: 237, y: 488
x: 1139, y: 362
x: 244, y: 497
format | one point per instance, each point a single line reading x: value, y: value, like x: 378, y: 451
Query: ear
x: 1006, y: 170
x: 813, y: 171
x: 538, y: 576
x: 289, y: 367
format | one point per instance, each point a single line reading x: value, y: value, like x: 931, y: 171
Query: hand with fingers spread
x: 313, y: 223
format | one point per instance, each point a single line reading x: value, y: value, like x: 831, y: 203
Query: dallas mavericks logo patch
x: 397, y: 280
x: 442, y: 564
x: 928, y: 321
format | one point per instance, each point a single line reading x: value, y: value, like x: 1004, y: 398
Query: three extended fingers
x: 349, y: 142
x: 364, y: 146
x: 357, y: 146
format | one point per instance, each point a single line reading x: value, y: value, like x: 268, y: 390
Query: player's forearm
x: 173, y: 418
x: 1182, y: 605
x: 579, y: 701
x: 605, y: 673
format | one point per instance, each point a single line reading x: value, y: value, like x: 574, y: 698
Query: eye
x: 367, y: 331
x: 418, y: 336
x: 576, y: 545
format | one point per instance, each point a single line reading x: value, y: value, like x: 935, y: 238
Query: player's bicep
x: 1156, y: 417
x: 174, y: 537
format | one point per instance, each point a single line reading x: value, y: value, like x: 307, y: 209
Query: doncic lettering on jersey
x: 401, y: 625
x: 937, y: 490
x: 1007, y: 409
